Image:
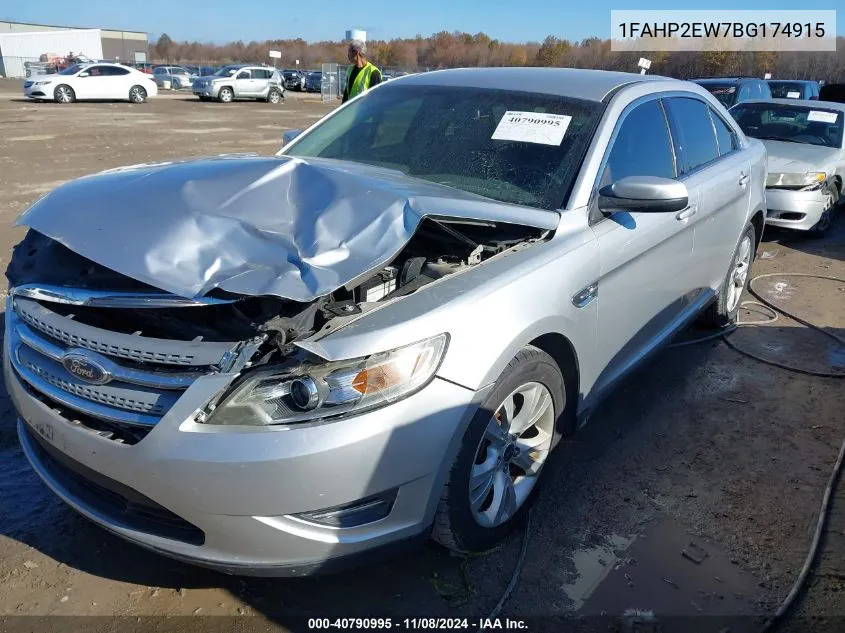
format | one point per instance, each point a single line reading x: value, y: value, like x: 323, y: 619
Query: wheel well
x: 560, y: 349
x: 759, y: 222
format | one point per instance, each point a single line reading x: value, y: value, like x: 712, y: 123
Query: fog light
x: 355, y: 514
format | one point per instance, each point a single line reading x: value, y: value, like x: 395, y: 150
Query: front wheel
x: 64, y: 94
x: 226, y: 95
x: 824, y: 223
x: 137, y: 94
x: 494, y: 477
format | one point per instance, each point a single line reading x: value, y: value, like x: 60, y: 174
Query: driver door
x: 243, y: 84
x: 91, y: 83
x: 645, y: 258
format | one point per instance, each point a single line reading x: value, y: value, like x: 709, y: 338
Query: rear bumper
x: 799, y: 210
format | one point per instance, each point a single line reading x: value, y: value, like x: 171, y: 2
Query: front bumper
x: 240, y: 486
x: 37, y: 92
x: 800, y: 210
x: 204, y: 91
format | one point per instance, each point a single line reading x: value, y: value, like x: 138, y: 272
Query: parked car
x: 732, y: 90
x: 832, y: 92
x: 804, y: 140
x: 294, y: 80
x: 314, y: 81
x: 794, y: 89
x: 279, y: 363
x: 176, y: 77
x: 91, y: 82
x: 241, y: 82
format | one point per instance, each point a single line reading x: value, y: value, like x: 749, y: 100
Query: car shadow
x: 831, y: 246
x: 428, y: 581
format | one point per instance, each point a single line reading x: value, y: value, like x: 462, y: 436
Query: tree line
x: 451, y: 50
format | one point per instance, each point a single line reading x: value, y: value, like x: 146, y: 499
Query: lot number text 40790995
x: 417, y: 624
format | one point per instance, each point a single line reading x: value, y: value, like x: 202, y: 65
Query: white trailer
x: 18, y: 48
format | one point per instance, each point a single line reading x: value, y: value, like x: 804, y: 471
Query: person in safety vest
x: 362, y: 75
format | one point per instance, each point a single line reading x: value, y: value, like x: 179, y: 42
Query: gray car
x: 174, y: 77
x: 805, y: 142
x: 278, y: 365
x: 241, y: 82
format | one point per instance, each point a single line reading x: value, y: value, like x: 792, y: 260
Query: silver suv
x: 270, y: 365
x: 241, y: 82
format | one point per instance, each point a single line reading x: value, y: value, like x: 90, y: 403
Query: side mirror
x: 288, y: 136
x: 647, y: 194
x: 83, y: 74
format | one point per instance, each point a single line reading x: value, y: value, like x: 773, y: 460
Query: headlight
x: 42, y: 83
x: 796, y: 180
x: 312, y: 391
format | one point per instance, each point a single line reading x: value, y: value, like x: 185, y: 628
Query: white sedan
x: 99, y: 81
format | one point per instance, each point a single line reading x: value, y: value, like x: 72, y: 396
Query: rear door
x: 117, y: 84
x: 645, y: 257
x: 261, y: 81
x: 712, y: 162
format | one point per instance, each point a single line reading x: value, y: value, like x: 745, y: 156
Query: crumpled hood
x: 253, y: 225
x: 797, y: 158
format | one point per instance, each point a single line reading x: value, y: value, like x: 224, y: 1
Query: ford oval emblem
x: 81, y: 366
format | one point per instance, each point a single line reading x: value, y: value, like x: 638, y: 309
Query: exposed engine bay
x: 438, y: 249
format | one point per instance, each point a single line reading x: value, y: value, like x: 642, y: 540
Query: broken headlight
x: 812, y: 179
x: 313, y: 391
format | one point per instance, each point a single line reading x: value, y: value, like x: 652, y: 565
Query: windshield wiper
x: 777, y: 138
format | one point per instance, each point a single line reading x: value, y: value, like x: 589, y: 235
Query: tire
x: 64, y: 94
x: 465, y: 526
x: 724, y: 311
x: 137, y: 94
x: 274, y: 96
x: 226, y: 95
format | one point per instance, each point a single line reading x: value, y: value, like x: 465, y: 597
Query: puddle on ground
x: 668, y: 575
x: 592, y: 565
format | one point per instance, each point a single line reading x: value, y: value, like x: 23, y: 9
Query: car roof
x: 807, y: 103
x: 793, y: 81
x: 591, y: 85
x: 717, y: 80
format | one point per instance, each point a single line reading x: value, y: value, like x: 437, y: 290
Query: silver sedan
x: 806, y: 154
x: 276, y: 365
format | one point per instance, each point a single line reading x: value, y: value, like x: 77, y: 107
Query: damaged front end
x: 113, y: 353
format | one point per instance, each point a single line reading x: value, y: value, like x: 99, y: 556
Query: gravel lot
x: 702, y: 446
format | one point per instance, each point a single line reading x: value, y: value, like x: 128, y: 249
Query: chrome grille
x: 138, y: 394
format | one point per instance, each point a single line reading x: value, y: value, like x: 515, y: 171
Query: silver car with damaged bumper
x: 805, y: 142
x: 276, y: 365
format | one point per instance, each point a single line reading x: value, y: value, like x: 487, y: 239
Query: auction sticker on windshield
x: 532, y: 127
x: 793, y: 95
x: 822, y: 117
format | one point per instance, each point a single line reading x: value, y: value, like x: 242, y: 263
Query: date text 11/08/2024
x: 416, y: 624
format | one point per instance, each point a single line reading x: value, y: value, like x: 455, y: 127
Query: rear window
x: 725, y: 93
x: 787, y: 90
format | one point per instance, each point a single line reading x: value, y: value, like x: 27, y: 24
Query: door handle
x: 687, y: 213
x: 743, y: 180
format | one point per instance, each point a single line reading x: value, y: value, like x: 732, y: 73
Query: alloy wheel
x: 739, y: 276
x: 137, y: 94
x: 512, y: 451
x: 64, y: 94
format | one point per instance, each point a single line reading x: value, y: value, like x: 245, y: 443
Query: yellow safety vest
x: 362, y: 80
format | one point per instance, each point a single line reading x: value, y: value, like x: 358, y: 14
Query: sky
x: 218, y: 21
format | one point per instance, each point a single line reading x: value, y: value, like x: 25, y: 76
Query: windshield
x: 482, y: 141
x: 725, y: 93
x: 786, y: 90
x: 227, y: 71
x: 72, y: 70
x: 793, y: 124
